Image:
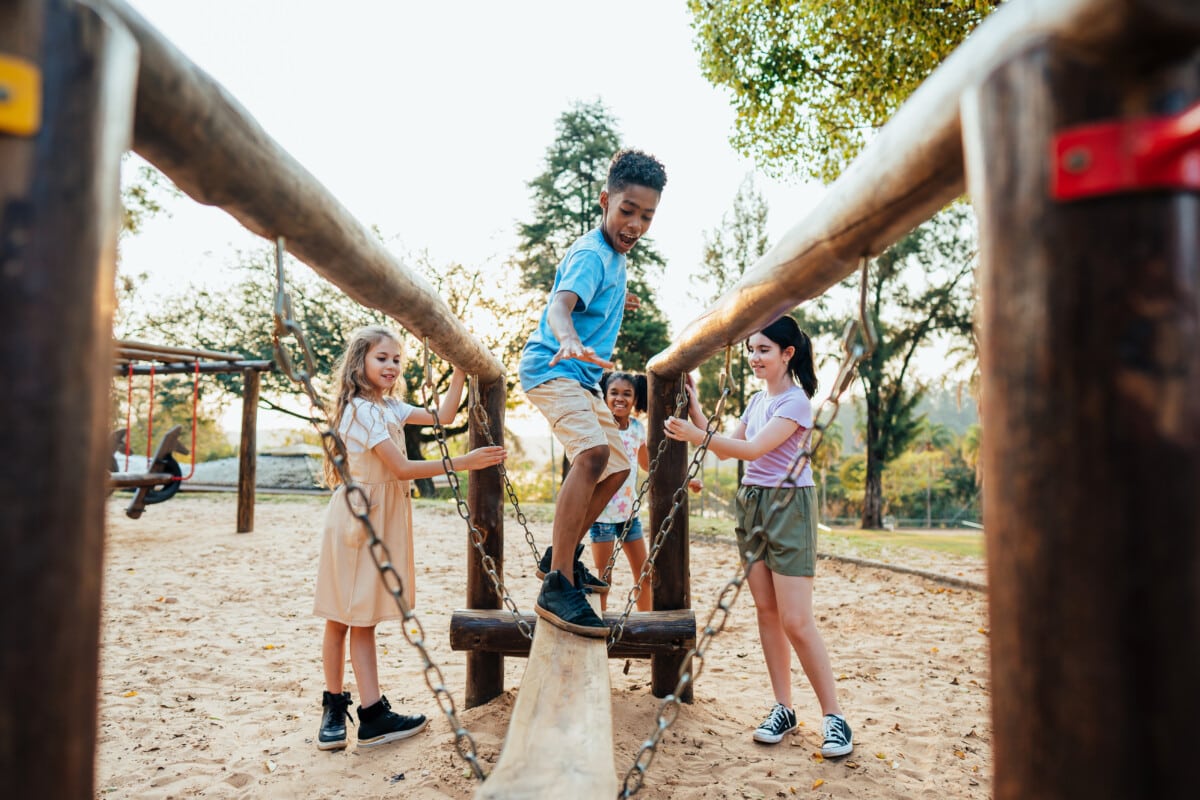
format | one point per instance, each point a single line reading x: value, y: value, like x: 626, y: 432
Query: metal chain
x: 481, y: 416
x: 677, y: 500
x: 853, y: 351
x: 335, y: 448
x: 429, y: 398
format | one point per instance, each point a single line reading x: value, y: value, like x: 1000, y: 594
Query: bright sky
x: 428, y: 119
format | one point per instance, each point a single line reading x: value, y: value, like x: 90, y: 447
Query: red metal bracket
x: 1129, y: 155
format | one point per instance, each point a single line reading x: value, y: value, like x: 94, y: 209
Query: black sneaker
x: 780, y: 722
x: 378, y: 724
x: 838, y: 739
x: 332, y: 735
x: 564, y: 606
x: 583, y: 579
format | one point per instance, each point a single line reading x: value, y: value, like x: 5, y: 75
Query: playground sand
x: 211, y: 674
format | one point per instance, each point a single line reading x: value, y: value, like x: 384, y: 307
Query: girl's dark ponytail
x: 786, y: 333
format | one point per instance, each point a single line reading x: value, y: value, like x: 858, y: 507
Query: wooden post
x: 1091, y: 397
x: 59, y: 218
x: 247, y: 451
x: 486, y: 496
x: 672, y: 567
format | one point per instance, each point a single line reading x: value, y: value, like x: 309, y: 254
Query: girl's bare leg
x: 794, y: 596
x: 366, y: 669
x: 635, y: 551
x: 333, y: 656
x: 776, y: 650
x: 601, y: 553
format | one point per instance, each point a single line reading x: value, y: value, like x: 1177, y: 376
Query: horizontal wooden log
x: 192, y: 129
x: 187, y: 352
x: 647, y: 633
x: 914, y: 166
x: 129, y: 480
x: 189, y: 367
x: 559, y: 741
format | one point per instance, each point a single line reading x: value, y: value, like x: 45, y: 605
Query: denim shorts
x: 609, y: 531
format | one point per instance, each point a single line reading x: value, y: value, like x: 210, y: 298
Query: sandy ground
x: 211, y: 674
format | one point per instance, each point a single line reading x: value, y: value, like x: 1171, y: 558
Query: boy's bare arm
x: 558, y: 317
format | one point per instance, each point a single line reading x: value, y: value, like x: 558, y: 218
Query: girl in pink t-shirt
x: 777, y: 422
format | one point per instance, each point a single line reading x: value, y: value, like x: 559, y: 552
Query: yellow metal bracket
x: 20, y: 97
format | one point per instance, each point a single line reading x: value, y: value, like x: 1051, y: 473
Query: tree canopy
x: 812, y: 79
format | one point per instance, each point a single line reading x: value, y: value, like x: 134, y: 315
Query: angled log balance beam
x: 560, y: 734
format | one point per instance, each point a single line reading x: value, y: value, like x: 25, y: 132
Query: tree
x: 729, y: 250
x: 811, y: 80
x: 926, y: 280
x: 240, y: 319
x: 566, y: 197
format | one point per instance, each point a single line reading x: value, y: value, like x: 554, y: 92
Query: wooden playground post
x: 1091, y: 389
x: 485, y: 495
x: 672, y: 568
x: 247, y: 451
x: 59, y: 217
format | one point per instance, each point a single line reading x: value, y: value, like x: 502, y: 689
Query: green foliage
x: 811, y: 80
x: 566, y: 197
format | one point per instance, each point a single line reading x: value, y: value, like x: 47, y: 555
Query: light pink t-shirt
x: 620, y: 507
x: 767, y: 469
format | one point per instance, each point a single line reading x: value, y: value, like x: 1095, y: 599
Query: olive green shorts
x: 791, y: 535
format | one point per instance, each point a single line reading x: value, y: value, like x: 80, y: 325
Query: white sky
x: 428, y: 119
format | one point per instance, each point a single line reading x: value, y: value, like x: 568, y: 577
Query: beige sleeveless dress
x: 349, y: 588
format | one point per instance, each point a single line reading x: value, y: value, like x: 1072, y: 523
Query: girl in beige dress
x: 350, y: 594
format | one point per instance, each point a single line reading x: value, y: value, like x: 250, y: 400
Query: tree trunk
x: 872, y: 510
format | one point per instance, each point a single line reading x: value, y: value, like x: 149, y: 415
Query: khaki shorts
x: 791, y: 535
x: 580, y: 421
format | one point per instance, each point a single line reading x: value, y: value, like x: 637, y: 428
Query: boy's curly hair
x: 635, y: 167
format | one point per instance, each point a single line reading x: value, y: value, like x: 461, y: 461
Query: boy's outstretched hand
x: 632, y: 301
x: 573, y: 348
x: 481, y: 458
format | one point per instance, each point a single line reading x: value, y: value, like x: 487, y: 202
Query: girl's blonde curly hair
x: 350, y: 381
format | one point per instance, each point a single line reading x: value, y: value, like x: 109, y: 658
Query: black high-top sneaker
x: 564, y: 606
x: 583, y: 579
x: 335, y: 707
x: 378, y: 724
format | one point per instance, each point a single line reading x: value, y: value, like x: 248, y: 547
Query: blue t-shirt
x: 596, y: 273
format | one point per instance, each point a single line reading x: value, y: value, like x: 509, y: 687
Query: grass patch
x: 868, y: 544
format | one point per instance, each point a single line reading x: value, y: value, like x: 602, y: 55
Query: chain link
x: 357, y: 503
x: 853, y: 351
x: 677, y: 499
x: 482, y: 418
x: 429, y: 398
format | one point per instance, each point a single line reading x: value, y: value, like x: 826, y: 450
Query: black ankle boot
x: 378, y: 724
x: 336, y: 707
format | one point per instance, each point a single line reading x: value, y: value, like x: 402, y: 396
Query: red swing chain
x: 150, y: 419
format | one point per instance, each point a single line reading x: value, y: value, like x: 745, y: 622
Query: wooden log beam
x: 59, y: 216
x: 248, y: 451
x: 189, y: 367
x: 485, y: 496
x: 559, y: 741
x: 193, y: 130
x: 647, y: 633
x: 672, y: 581
x: 123, y: 345
x: 914, y: 166
x: 1091, y: 378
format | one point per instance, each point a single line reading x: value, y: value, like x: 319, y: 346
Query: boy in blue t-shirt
x: 560, y: 372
